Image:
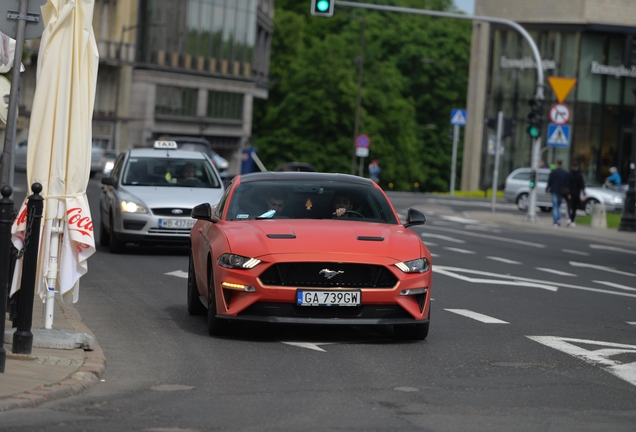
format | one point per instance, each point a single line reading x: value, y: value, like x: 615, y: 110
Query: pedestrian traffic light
x: 533, y: 179
x: 322, y: 7
x: 535, y: 118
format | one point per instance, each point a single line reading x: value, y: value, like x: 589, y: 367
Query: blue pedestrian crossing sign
x: 458, y: 117
x: 558, y: 135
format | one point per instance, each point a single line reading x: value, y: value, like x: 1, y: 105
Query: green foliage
x: 613, y: 220
x: 415, y: 71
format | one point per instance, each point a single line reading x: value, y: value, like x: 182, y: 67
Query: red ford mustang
x: 308, y: 248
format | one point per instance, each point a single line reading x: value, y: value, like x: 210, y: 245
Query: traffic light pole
x: 495, y: 173
x: 536, y: 143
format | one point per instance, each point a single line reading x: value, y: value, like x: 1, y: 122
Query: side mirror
x: 203, y: 212
x: 109, y: 181
x: 414, y: 217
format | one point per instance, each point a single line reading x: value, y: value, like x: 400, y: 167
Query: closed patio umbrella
x: 59, y: 149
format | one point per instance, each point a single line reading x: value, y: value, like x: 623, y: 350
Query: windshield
x: 171, y: 172
x: 315, y: 200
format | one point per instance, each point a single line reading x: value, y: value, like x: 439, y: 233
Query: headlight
x: 109, y: 166
x: 224, y: 164
x: 617, y: 200
x: 419, y: 265
x: 237, y: 261
x: 132, y: 207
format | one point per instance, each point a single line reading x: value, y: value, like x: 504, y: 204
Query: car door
x: 544, y: 199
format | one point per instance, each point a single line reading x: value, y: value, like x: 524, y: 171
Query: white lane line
x: 599, y: 267
x: 491, y: 237
x: 518, y: 281
x: 434, y: 255
x: 487, y: 228
x: 628, y: 322
x: 597, y: 357
x: 477, y: 316
x: 431, y: 244
x: 556, y: 272
x: 178, y: 273
x: 442, y: 237
x: 458, y: 250
x: 461, y: 220
x: 615, y: 285
x: 312, y: 346
x: 613, y: 248
x: 503, y: 260
x: 575, y: 252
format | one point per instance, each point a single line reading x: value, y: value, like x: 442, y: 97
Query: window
x: 176, y: 101
x: 222, y: 105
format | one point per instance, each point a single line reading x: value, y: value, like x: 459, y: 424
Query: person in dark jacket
x: 577, y: 188
x: 559, y: 188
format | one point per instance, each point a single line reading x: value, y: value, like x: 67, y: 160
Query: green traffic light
x: 322, y: 5
x: 534, y: 131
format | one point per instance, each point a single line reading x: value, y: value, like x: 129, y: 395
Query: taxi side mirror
x: 414, y: 217
x: 109, y: 181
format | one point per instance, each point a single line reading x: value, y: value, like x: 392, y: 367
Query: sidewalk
x: 50, y: 373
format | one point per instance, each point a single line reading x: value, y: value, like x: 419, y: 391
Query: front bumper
x: 144, y: 228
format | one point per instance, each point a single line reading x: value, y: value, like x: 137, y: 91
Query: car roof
x: 305, y: 176
x: 162, y: 153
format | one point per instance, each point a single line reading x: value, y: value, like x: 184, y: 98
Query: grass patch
x: 473, y: 194
x: 613, y: 220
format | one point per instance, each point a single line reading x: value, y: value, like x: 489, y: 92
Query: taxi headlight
x: 223, y: 164
x: 237, y: 261
x: 617, y: 200
x: 419, y: 265
x: 109, y: 166
x: 132, y: 207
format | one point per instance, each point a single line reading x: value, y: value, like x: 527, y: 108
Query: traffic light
x: 322, y: 7
x: 509, y: 127
x: 533, y: 179
x: 535, y: 118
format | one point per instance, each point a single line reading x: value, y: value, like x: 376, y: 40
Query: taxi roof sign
x: 169, y: 145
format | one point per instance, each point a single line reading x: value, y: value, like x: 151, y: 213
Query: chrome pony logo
x: 330, y: 273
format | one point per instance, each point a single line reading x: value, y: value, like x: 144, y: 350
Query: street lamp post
x: 628, y: 218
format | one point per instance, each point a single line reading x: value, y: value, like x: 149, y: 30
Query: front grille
x: 168, y: 211
x: 308, y: 274
x: 263, y: 309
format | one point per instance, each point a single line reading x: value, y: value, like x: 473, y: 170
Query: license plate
x: 176, y: 223
x: 328, y: 298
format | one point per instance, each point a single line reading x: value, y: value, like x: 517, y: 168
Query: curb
x: 85, y: 377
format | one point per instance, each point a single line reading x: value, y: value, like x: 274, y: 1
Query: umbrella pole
x: 51, y: 275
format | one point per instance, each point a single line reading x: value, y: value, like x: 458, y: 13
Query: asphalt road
x: 529, y: 332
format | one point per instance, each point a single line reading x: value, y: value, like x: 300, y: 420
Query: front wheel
x: 589, y: 205
x: 216, y: 326
x: 545, y: 209
x: 104, y: 237
x: 195, y: 307
x: 523, y: 202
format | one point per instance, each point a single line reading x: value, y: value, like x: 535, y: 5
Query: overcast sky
x: 466, y: 5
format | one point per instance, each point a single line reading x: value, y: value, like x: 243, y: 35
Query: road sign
x: 34, y: 23
x: 558, y: 135
x: 363, y: 141
x: 561, y: 87
x: 458, y: 117
x: 560, y: 114
x: 362, y: 152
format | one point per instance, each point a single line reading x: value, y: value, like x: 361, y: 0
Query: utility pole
x: 628, y: 218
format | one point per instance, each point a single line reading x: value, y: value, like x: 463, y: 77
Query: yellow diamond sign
x: 561, y: 87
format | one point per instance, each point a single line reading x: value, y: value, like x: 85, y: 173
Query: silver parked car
x: 148, y: 197
x: 518, y: 187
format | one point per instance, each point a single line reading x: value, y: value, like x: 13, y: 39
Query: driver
x: 188, y: 171
x: 341, y: 203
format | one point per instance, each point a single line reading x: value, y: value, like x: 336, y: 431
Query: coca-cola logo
x: 22, y: 217
x: 79, y: 223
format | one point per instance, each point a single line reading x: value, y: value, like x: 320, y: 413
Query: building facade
x: 175, y: 67
x: 593, y: 41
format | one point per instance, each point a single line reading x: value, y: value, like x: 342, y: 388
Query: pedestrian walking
x: 374, y: 171
x: 577, y: 189
x: 559, y: 188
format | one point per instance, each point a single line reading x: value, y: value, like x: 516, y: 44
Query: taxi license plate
x: 328, y: 298
x: 176, y: 223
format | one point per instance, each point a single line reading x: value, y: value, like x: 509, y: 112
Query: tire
x: 104, y: 237
x: 545, y: 209
x: 522, y: 202
x: 412, y: 331
x: 216, y: 326
x: 115, y: 246
x: 195, y: 307
x: 589, y: 205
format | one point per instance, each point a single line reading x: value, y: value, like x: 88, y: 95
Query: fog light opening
x: 415, y: 291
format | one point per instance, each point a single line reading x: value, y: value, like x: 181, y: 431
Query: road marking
x: 312, y: 346
x: 503, y: 260
x: 518, y: 281
x: 491, y: 237
x: 599, y: 267
x: 613, y: 248
x: 631, y: 323
x: 431, y: 244
x: 488, y: 228
x: 434, y: 255
x: 615, y: 285
x: 556, y: 272
x: 178, y: 273
x: 461, y: 220
x: 599, y: 357
x: 458, y: 250
x: 443, y: 237
x: 477, y: 316
x: 575, y: 252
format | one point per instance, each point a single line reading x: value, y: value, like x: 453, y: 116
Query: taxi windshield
x: 171, y: 172
x: 309, y: 200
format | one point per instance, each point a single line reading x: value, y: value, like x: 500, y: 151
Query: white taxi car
x: 149, y: 194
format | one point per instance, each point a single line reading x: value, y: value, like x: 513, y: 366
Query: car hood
x: 264, y: 237
x: 183, y: 197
